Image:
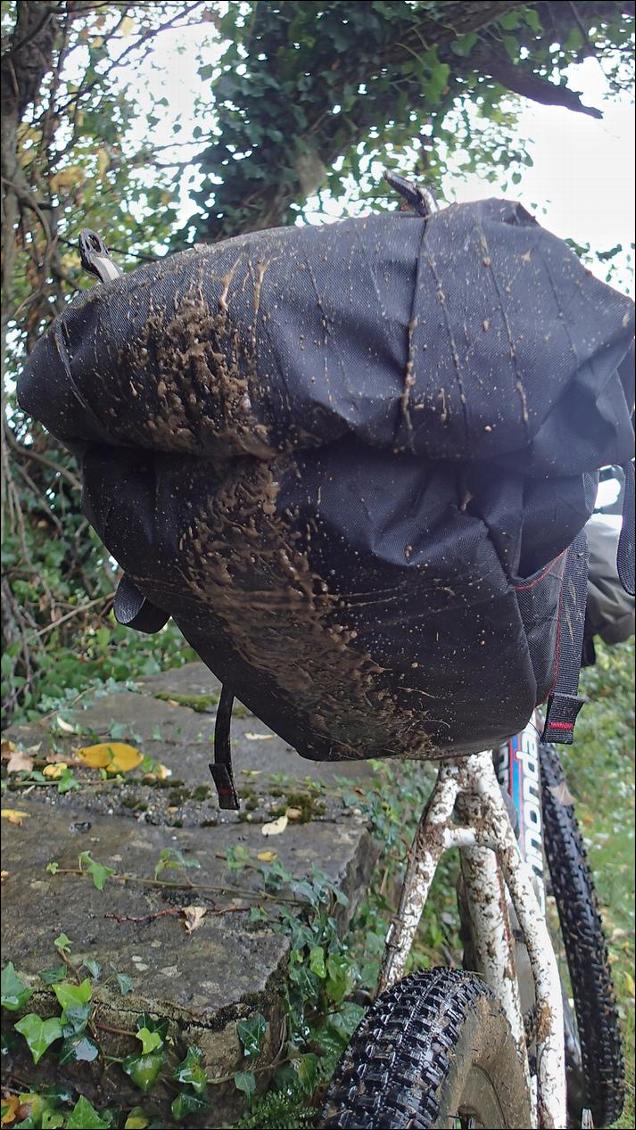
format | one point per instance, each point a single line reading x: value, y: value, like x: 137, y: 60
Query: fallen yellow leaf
x: 13, y: 815
x: 3, y: 875
x: 55, y: 771
x: 114, y: 757
x: 259, y: 737
x: 275, y: 827
x: 7, y: 748
x: 11, y: 1105
x: 629, y: 984
x: 266, y: 856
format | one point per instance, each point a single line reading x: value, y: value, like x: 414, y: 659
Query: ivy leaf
x: 15, y: 993
x: 150, y: 1041
x: 93, y: 967
x: 70, y: 996
x: 38, y: 1033
x: 62, y: 942
x: 67, y: 781
x: 52, y: 1119
x: 84, y: 1117
x: 144, y: 1069
x: 192, y: 1071
x: 338, y: 977
x: 98, y: 873
x: 78, y: 1049
x: 317, y: 962
x: 307, y: 1071
x: 185, y: 1104
x: 145, y: 1020
x: 245, y: 1081
x: 125, y: 983
x: 137, y: 1119
x: 250, y: 1032
x: 53, y: 976
x: 170, y: 859
x: 75, y: 1002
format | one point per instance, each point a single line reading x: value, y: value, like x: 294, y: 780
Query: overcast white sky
x: 582, y: 179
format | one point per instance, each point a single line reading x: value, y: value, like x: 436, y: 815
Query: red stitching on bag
x: 531, y: 584
x: 560, y: 725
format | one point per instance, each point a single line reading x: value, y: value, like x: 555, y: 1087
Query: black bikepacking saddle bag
x: 349, y: 461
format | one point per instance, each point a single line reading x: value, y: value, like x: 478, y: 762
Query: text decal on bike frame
x: 517, y: 765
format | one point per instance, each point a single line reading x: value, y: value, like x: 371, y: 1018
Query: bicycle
x: 494, y: 1044
x: 488, y: 1046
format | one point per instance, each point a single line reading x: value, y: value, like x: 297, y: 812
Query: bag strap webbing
x: 221, y: 767
x: 625, y: 552
x: 564, y: 703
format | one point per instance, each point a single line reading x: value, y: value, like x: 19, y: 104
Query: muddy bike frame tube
x: 467, y: 810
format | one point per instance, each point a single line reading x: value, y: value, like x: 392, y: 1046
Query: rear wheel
x: 435, y: 1050
x: 597, y: 1080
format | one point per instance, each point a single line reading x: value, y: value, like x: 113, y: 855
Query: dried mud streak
x: 409, y: 382
x: 245, y: 564
x: 519, y: 385
x: 441, y: 298
x: 203, y: 365
x: 240, y: 558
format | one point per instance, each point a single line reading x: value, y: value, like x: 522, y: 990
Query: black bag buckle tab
x: 563, y: 710
x: 221, y: 767
x: 225, y: 787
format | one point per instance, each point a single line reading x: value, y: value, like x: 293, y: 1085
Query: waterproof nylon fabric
x: 348, y: 461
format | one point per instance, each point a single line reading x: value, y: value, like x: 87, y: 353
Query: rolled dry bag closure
x: 133, y: 610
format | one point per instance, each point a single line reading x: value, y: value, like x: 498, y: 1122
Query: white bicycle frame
x: 466, y: 810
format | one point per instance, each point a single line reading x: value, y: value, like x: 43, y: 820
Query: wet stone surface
x: 230, y: 966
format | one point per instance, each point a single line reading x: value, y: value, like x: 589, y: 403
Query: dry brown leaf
x: 3, y: 875
x: 13, y: 815
x: 71, y: 176
x: 561, y: 793
x: 193, y: 917
x: 275, y: 827
x: 54, y: 758
x: 7, y: 748
x: 294, y: 813
x: 19, y: 762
